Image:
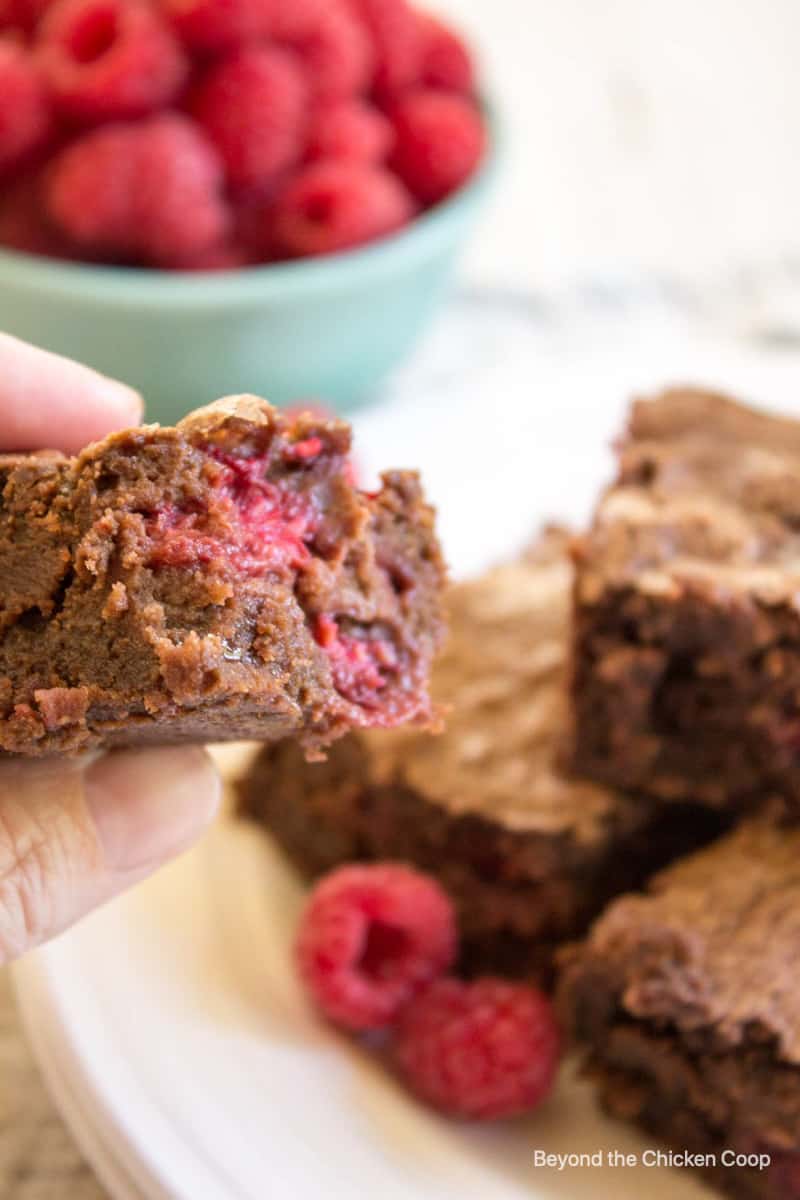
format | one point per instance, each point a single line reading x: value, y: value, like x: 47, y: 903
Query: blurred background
x: 640, y: 136
x: 647, y: 151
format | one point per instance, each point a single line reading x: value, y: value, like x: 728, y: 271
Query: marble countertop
x: 637, y: 136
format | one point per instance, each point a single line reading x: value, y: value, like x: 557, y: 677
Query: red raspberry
x: 370, y: 937
x: 439, y: 140
x: 89, y: 190
x: 150, y: 191
x: 22, y: 14
x: 214, y: 25
x: 253, y: 107
x: 23, y: 225
x: 295, y: 18
x: 252, y: 226
x: 483, y: 1050
x: 396, y: 40
x: 179, y: 211
x: 332, y: 206
x: 24, y: 107
x: 109, y: 59
x: 353, y: 131
x: 336, y: 54
x: 446, y: 60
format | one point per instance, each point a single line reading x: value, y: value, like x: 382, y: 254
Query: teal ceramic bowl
x: 329, y: 327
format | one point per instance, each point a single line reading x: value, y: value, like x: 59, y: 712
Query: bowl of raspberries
x: 200, y: 196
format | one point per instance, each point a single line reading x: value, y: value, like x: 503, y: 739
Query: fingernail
x: 131, y: 404
x: 149, y: 805
x: 126, y: 400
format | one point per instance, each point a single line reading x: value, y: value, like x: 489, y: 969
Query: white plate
x: 179, y: 1047
x: 170, y: 1026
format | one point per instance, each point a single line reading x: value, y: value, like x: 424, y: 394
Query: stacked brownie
x: 686, y: 682
x: 687, y: 625
x: 558, y: 786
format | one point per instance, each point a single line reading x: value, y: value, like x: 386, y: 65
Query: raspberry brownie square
x: 685, y: 1003
x: 686, y: 675
x: 222, y: 579
x: 528, y: 855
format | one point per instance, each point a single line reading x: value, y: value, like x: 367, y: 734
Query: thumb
x: 74, y: 834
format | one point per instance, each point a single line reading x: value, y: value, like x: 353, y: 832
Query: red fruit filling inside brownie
x: 253, y: 525
x: 360, y: 665
x: 263, y: 514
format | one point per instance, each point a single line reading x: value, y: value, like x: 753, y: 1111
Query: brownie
x: 222, y: 579
x: 528, y: 855
x: 686, y: 664
x: 686, y: 1003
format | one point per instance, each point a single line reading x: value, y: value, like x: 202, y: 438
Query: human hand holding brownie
x: 220, y: 580
x: 74, y: 833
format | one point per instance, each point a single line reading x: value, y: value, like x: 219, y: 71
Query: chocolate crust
x: 218, y: 580
x: 684, y: 1001
x: 686, y: 662
x: 528, y: 855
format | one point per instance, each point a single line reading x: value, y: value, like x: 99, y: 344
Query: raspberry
x: 178, y: 207
x: 215, y: 25
x: 253, y: 227
x: 255, y: 525
x: 397, y: 42
x: 335, y: 53
x: 22, y: 14
x: 439, y: 140
x: 253, y: 107
x: 370, y: 938
x: 359, y: 666
x: 482, y: 1050
x: 446, y: 61
x: 296, y: 18
x: 23, y: 225
x: 149, y: 191
x: 24, y: 107
x: 331, y: 206
x: 89, y: 191
x: 352, y: 131
x: 109, y: 59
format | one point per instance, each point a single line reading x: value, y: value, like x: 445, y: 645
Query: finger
x: 72, y: 836
x: 47, y: 402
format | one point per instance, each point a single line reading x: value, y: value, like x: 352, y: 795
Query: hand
x: 75, y: 832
